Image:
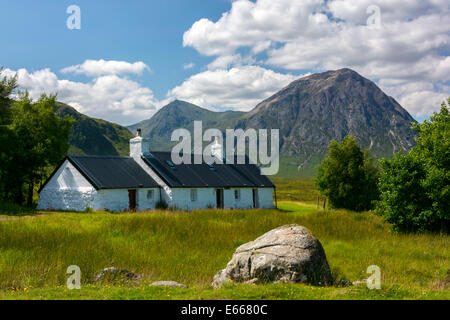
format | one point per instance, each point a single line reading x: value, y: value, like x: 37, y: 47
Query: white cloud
x: 422, y: 96
x: 412, y: 44
x: 187, y: 66
x: 239, y: 88
x: 101, y: 67
x: 107, y: 97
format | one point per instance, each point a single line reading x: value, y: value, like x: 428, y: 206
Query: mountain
x: 181, y: 114
x: 309, y: 112
x: 315, y: 109
x: 95, y: 136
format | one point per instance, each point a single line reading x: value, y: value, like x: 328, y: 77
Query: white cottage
x: 143, y: 179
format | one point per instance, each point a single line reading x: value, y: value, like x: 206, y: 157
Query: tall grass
x: 190, y: 247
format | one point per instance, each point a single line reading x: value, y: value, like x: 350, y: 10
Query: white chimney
x: 139, y: 146
x: 216, y: 149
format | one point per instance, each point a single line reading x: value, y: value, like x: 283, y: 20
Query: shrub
x: 161, y: 205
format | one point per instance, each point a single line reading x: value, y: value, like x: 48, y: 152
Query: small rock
x: 171, y: 284
x: 253, y: 281
x: 357, y: 283
x: 113, y: 275
x: 342, y: 283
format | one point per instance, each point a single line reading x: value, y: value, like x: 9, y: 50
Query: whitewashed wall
x: 117, y: 200
x: 265, y: 198
x: 114, y: 200
x: 181, y: 198
x: 67, y: 190
x: 206, y: 197
x: 145, y: 203
x: 245, y: 200
x: 166, y: 190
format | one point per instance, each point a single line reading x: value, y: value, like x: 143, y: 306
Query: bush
x: 348, y: 177
x: 161, y: 205
x: 415, y: 188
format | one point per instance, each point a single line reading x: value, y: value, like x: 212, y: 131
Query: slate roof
x: 111, y: 172
x: 202, y: 175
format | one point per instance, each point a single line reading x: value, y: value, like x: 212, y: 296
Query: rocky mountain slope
x: 315, y: 109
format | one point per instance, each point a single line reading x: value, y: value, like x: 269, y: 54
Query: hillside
x: 309, y: 112
x: 95, y: 136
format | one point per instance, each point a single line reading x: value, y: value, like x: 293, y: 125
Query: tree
x: 40, y: 137
x: 7, y: 87
x: 415, y: 188
x: 348, y: 176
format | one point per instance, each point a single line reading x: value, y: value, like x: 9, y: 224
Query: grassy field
x: 298, y: 190
x: 190, y: 247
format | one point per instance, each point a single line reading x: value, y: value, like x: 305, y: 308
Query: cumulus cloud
x: 94, y: 68
x: 410, y: 45
x: 108, y: 97
x: 239, y: 88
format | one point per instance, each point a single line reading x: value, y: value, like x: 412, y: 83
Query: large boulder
x: 288, y: 254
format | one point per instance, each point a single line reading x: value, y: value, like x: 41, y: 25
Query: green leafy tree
x: 40, y: 140
x: 348, y: 176
x: 7, y: 87
x: 415, y: 192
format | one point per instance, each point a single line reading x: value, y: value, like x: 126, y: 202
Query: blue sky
x: 148, y: 31
x: 130, y: 58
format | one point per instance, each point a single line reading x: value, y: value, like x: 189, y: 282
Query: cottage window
x: 193, y: 194
x: 150, y: 194
x: 237, y: 194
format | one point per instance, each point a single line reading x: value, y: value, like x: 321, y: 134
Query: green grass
x: 190, y: 247
x: 301, y: 190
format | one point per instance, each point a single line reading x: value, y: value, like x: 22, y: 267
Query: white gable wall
x: 67, y: 190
